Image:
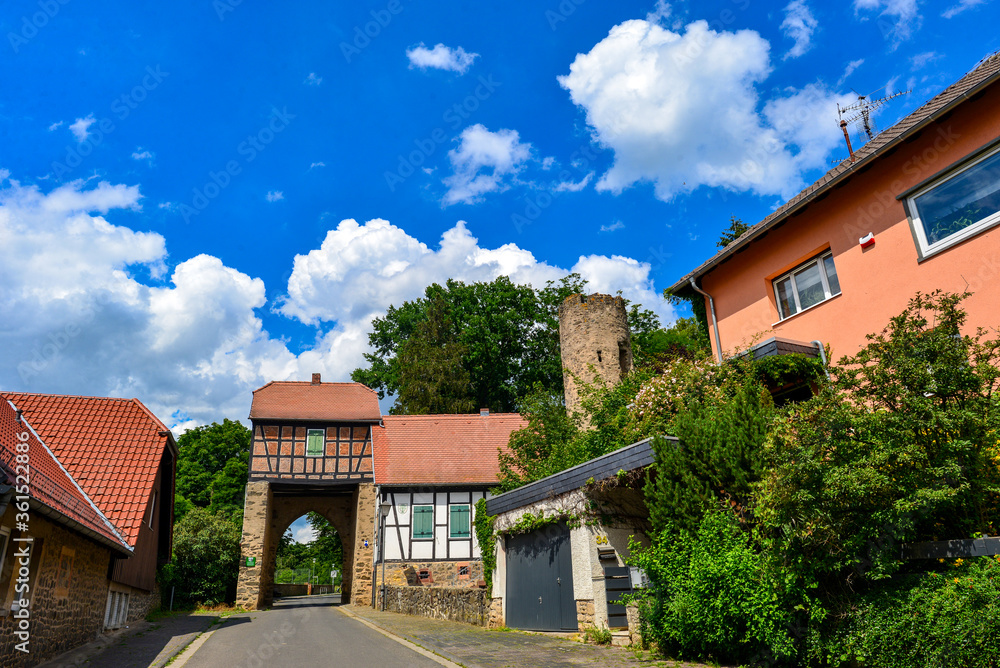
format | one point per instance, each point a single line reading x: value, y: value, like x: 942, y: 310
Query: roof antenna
x: 861, y: 111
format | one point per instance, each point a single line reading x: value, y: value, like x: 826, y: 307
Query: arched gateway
x: 312, y: 450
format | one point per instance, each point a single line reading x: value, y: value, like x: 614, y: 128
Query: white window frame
x: 468, y: 506
x: 827, y: 293
x: 917, y: 226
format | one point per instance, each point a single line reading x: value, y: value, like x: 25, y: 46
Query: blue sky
x: 199, y: 197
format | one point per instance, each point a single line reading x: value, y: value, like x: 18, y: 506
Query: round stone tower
x: 594, y: 342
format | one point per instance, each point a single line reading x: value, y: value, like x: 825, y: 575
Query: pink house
x: 915, y: 210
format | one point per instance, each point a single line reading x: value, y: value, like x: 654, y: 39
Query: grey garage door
x: 540, y: 580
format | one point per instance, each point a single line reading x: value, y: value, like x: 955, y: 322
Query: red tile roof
x: 441, y: 449
x: 348, y: 402
x: 49, y: 483
x: 112, y: 447
x: 985, y: 74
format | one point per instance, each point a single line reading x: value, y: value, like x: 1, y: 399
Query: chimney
x: 484, y: 412
x: 316, y: 379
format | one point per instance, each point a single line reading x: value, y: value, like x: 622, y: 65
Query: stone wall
x: 290, y: 590
x: 443, y: 573
x: 471, y: 606
x: 65, y: 611
x: 141, y: 603
x: 594, y: 342
x: 256, y: 518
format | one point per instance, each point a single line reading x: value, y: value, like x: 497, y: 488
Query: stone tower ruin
x: 594, y: 342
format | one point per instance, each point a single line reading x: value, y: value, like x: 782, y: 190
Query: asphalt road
x: 301, y: 632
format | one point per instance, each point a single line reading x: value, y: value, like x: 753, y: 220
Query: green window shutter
x: 423, y: 521
x: 460, y: 526
x: 314, y: 443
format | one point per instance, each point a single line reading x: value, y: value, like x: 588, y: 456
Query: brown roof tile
x: 320, y: 401
x: 112, y: 447
x: 441, y: 449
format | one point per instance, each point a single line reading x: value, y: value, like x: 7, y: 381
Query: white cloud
x: 441, y: 57
x: 360, y: 269
x: 897, y: 19
x: 570, y: 186
x: 302, y: 532
x: 275, y: 196
x: 682, y: 111
x: 81, y: 128
x: 55, y: 126
x: 661, y: 12
x: 799, y: 25
x: 951, y: 12
x: 617, y: 225
x: 849, y: 70
x: 313, y: 79
x: 313, y: 165
x: 922, y: 59
x: 481, y: 162
x: 139, y: 154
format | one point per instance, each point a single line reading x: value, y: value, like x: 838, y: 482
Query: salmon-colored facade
x: 868, y: 196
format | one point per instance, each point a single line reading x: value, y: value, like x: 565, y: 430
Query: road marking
x: 402, y: 641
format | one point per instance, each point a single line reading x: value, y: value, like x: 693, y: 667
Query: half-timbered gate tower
x: 312, y: 451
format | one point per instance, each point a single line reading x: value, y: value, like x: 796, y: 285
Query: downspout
x: 715, y: 322
x: 822, y: 357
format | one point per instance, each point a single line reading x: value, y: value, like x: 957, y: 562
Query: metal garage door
x: 540, y: 580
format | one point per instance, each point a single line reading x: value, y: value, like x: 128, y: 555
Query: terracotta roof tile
x: 319, y: 401
x: 441, y: 449
x: 112, y: 447
x: 49, y: 482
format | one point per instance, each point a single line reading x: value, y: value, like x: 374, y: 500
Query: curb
x: 437, y: 654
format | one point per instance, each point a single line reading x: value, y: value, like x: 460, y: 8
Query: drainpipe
x: 822, y: 357
x: 715, y: 322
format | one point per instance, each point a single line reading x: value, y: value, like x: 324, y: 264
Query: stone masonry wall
x: 443, y: 573
x: 594, y: 342
x: 62, y: 617
x: 471, y: 606
x: 256, y: 518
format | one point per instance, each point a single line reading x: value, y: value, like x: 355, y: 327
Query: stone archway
x: 269, y: 511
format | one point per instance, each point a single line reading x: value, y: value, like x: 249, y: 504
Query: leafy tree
x: 205, y: 564
x: 212, y: 467
x: 735, y: 230
x: 297, y: 561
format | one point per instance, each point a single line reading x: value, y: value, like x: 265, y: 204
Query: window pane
x: 314, y: 443
x: 961, y: 201
x: 459, y: 521
x: 786, y: 302
x: 810, y: 286
x: 423, y: 521
x: 831, y: 275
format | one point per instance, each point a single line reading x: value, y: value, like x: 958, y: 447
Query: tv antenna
x: 861, y: 111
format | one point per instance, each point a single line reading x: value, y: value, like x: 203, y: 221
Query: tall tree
x: 735, y: 230
x: 212, y: 467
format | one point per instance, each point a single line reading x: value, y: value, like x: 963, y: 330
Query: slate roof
x: 441, y: 449
x: 293, y: 400
x: 111, y: 447
x: 983, y: 75
x: 49, y: 483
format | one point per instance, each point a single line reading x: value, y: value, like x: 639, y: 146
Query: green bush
x: 929, y: 620
x: 711, y: 597
x: 205, y: 564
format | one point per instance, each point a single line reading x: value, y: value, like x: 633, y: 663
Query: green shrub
x: 929, y: 620
x: 598, y: 635
x: 711, y: 597
x: 205, y: 564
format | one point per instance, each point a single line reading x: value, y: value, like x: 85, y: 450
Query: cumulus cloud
x: 93, y: 307
x: 481, y: 163
x: 441, y: 57
x: 55, y: 126
x: 951, y: 12
x: 897, y: 19
x: 682, y: 110
x: 313, y: 165
x: 313, y: 79
x: 849, y: 70
x: 377, y: 263
x: 799, y: 25
x: 574, y: 187
x: 81, y: 128
x: 140, y: 154
x: 617, y: 225
x: 275, y: 196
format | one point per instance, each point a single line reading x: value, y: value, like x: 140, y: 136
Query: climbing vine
x: 486, y: 536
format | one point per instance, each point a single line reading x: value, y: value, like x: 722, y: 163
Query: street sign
x: 251, y: 562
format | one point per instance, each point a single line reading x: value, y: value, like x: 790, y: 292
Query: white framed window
x: 459, y: 521
x: 315, y: 442
x: 956, y: 206
x: 810, y: 283
x: 423, y: 522
x: 116, y: 611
